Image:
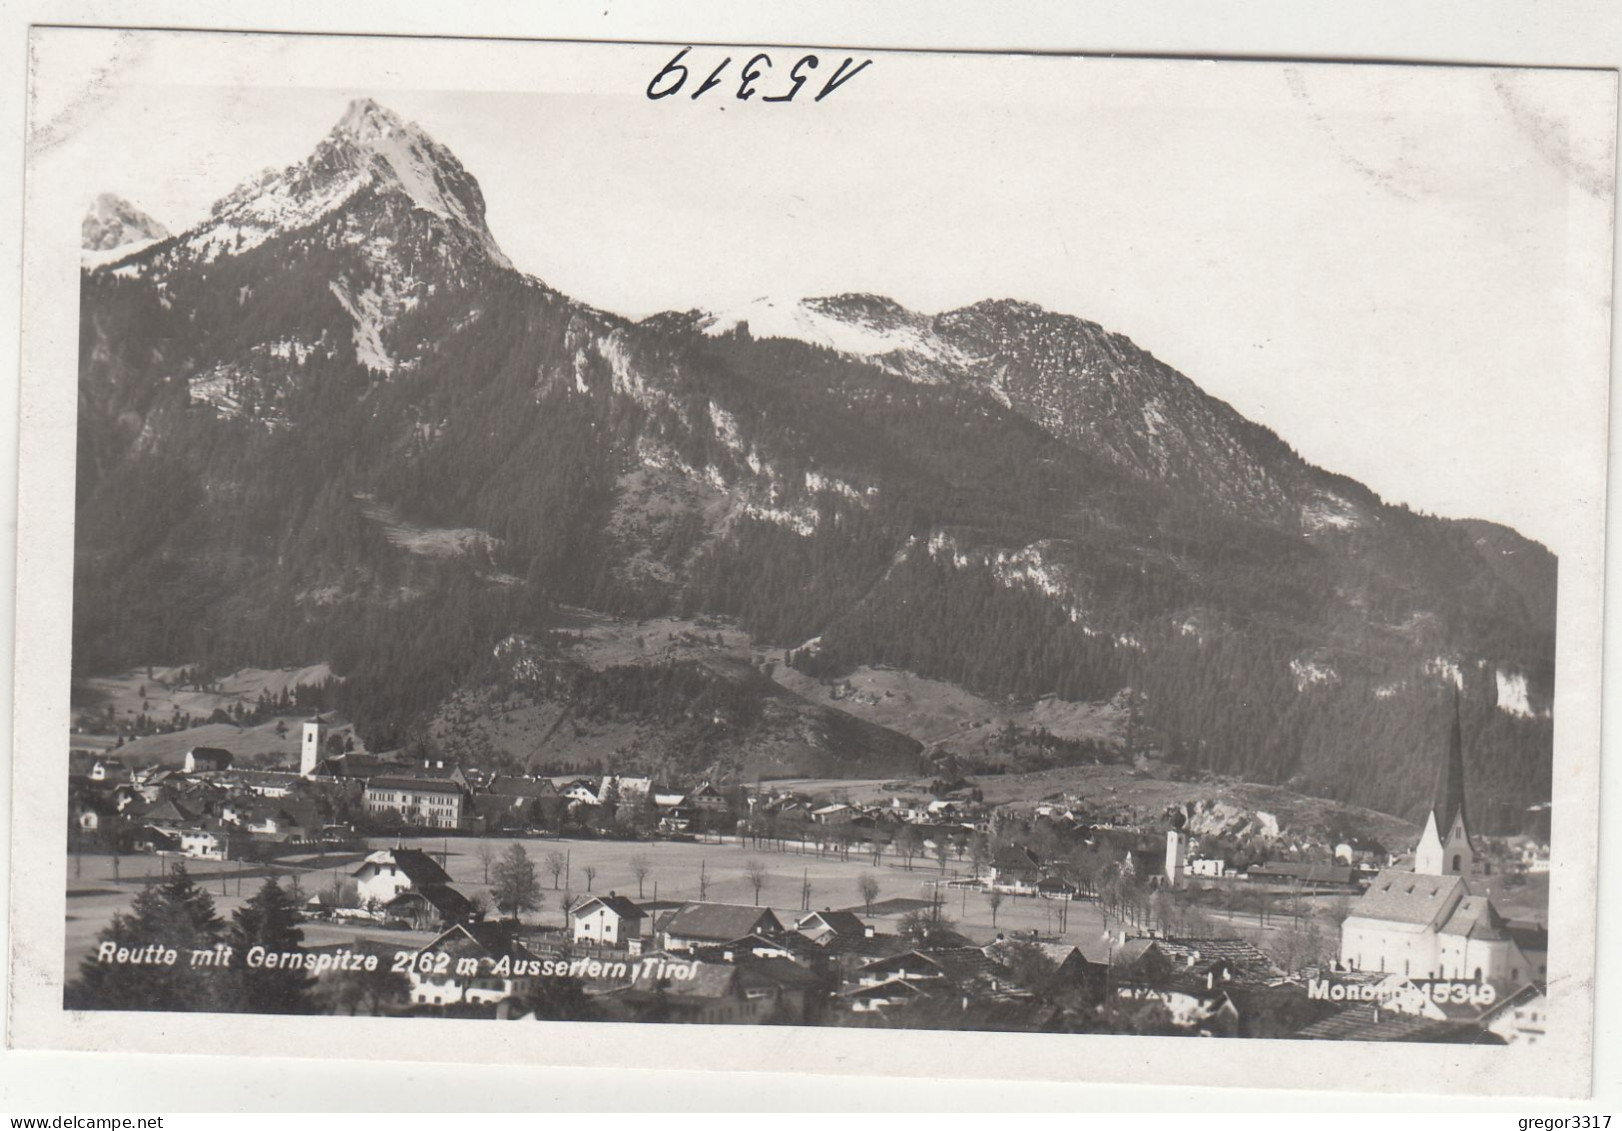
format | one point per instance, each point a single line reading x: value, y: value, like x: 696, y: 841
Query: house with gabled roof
x: 1071, y: 965
x: 522, y: 788
x: 1520, y: 1018
x: 204, y: 843
x: 876, y: 997
x: 712, y: 993
x: 963, y: 971
x: 502, y: 967
x: 170, y: 814
x: 817, y: 925
x: 109, y: 769
x: 1194, y: 993
x: 1371, y: 1023
x: 706, y: 798
x: 607, y: 920
x: 1015, y: 868
x: 387, y: 872
x: 694, y: 925
x: 429, y: 907
x: 206, y: 760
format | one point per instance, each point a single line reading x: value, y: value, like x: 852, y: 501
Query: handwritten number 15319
x: 675, y: 74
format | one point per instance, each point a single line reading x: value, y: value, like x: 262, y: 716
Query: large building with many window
x: 434, y: 803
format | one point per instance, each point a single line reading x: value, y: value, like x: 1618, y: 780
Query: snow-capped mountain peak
x: 114, y: 228
x: 402, y: 156
x: 369, y: 149
x: 365, y: 120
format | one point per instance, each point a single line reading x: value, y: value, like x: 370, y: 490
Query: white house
x: 389, y: 871
x: 476, y: 963
x: 202, y: 844
x: 206, y: 760
x: 609, y: 920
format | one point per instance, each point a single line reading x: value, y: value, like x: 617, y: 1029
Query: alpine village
x: 446, y: 647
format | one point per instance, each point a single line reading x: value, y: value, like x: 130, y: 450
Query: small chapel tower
x: 1445, y: 848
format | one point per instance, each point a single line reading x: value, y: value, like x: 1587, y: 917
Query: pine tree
x: 269, y: 920
x: 175, y: 914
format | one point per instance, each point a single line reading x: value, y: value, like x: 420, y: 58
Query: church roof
x: 1404, y: 897
x: 1475, y: 918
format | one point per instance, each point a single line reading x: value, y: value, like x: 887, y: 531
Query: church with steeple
x: 1445, y: 848
x: 1437, y: 920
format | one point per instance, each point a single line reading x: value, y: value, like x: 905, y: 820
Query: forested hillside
x: 1006, y: 498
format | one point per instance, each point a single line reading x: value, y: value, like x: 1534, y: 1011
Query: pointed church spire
x: 1448, y: 800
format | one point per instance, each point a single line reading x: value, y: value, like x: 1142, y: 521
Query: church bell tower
x: 1445, y: 848
x: 314, y: 746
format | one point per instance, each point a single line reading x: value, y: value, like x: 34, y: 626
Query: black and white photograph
x: 874, y: 544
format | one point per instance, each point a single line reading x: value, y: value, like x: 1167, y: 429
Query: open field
x: 934, y: 712
x: 162, y: 694
x: 944, y: 716
x: 93, y: 897
x: 257, y: 746
x: 158, y: 696
x: 1116, y: 785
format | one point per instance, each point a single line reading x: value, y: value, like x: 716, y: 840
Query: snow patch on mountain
x: 628, y: 382
x: 1310, y: 673
x: 942, y: 544
x: 800, y: 520
x: 221, y: 387
x: 427, y: 541
x: 1030, y: 567
x: 818, y: 483
x: 290, y: 349
x: 92, y: 260
x: 1153, y: 419
x: 1512, y: 694
x: 829, y: 323
x: 1448, y: 670
x: 269, y: 204
x: 725, y: 426
x: 580, y: 385
x: 1327, y: 511
x: 1027, y: 567
x: 368, y: 309
x: 410, y: 155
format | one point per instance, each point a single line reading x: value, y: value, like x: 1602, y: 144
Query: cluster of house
x: 200, y: 809
x: 724, y: 964
x: 903, y: 820
x: 732, y: 964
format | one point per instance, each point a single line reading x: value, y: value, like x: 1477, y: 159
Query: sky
x: 1404, y: 271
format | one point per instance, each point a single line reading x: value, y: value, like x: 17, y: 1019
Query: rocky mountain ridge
x: 1001, y: 496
